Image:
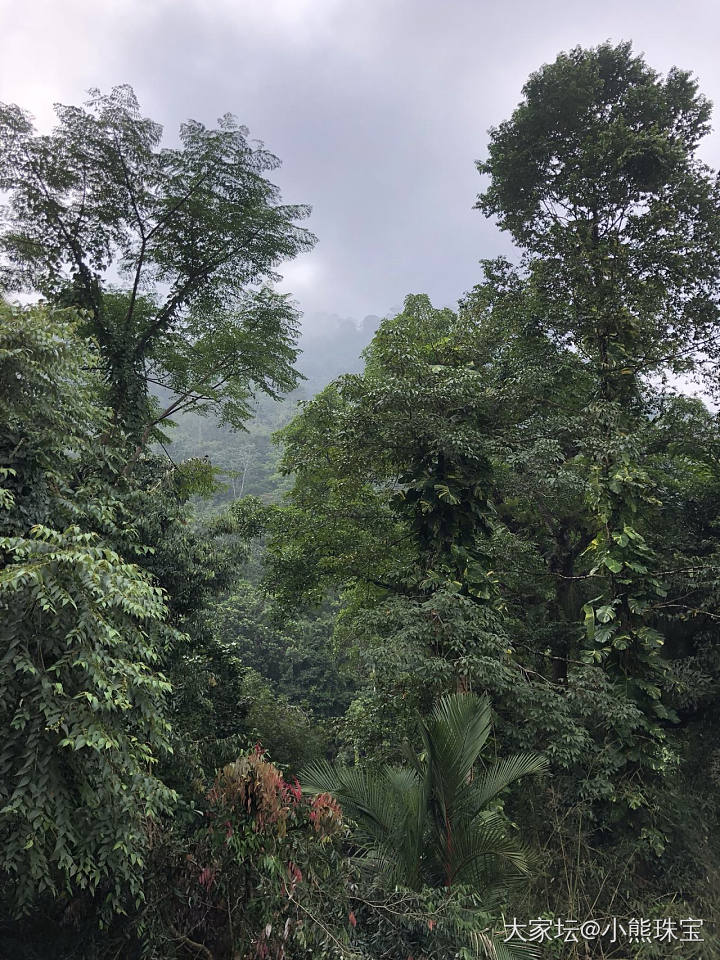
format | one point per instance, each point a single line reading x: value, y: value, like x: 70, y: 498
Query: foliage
x: 596, y: 178
x: 191, y: 231
x: 619, y: 222
x: 516, y: 500
x: 264, y: 875
x: 248, y: 879
x: 512, y: 498
x: 295, y: 654
x: 428, y: 824
x: 248, y: 672
x: 222, y: 706
x: 81, y: 698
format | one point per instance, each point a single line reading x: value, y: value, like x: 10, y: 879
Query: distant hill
x: 331, y: 345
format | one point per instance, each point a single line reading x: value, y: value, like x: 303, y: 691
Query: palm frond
x: 493, y: 948
x: 319, y: 776
x: 454, y: 734
x: 485, y: 855
x: 495, y: 778
x: 366, y: 797
x: 388, y: 808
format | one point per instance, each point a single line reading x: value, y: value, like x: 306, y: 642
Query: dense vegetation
x: 447, y: 654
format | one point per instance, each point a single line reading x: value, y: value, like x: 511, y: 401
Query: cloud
x: 377, y: 109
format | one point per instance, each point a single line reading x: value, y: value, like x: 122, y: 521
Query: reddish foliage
x: 207, y: 876
x: 292, y: 791
x: 256, y: 787
x: 325, y: 815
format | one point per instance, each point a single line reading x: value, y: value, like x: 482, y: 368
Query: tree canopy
x: 168, y: 250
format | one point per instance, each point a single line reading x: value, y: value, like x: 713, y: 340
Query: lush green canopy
x: 166, y: 248
x: 498, y: 539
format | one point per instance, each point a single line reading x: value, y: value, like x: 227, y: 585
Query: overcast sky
x: 377, y: 108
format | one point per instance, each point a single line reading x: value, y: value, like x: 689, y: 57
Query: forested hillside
x: 247, y: 460
x: 402, y: 647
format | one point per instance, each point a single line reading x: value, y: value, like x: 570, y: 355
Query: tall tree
x: 596, y: 178
x: 393, y: 475
x: 165, y: 248
x: 82, y: 632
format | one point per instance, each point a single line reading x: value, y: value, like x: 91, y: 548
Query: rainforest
x: 399, y: 641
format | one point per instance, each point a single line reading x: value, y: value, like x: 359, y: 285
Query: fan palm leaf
x: 495, y: 778
x: 388, y: 809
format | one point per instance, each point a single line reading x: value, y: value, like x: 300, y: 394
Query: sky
x: 378, y: 109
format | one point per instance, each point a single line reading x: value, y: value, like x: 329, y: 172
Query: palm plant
x: 429, y: 823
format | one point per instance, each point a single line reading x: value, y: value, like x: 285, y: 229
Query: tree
x: 250, y: 877
x: 596, y: 178
x: 401, y: 452
x: 82, y: 631
x: 432, y: 824
x: 191, y: 232
x: 429, y: 824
